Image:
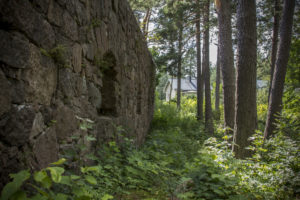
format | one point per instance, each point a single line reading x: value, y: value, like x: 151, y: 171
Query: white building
x: 188, y: 86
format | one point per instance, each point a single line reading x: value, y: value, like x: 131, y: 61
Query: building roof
x: 261, y: 83
x: 186, y: 84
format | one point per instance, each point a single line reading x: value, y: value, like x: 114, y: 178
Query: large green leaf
x: 43, y: 178
x: 91, y: 169
x: 39, y: 176
x: 91, y: 179
x: 66, y: 180
x: 59, y: 162
x: 56, y: 173
x: 107, y: 197
x: 14, y: 186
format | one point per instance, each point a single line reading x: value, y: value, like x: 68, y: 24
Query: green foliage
x: 103, y: 65
x: 58, y: 54
x: 94, y: 23
x: 289, y: 121
x: 271, y: 173
x: 11, y: 190
x: 262, y: 110
x: 176, y: 161
x: 55, y: 185
x: 293, y: 71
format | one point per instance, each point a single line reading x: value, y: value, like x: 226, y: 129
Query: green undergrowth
x: 177, y: 161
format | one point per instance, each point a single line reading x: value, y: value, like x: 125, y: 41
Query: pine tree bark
x: 274, y: 40
x: 245, y: 111
x: 226, y: 60
x: 179, y: 65
x: 275, y: 102
x: 199, y: 73
x: 208, y: 110
x: 217, y: 91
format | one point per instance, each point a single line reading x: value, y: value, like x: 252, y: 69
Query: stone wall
x: 62, y: 60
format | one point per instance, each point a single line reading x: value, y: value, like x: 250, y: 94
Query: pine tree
x: 275, y: 102
x: 245, y: 111
x: 208, y: 110
x: 199, y: 71
x: 226, y: 60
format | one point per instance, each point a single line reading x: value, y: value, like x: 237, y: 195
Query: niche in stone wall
x: 139, y: 100
x: 109, y: 97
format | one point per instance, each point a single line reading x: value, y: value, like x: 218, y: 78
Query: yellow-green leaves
x: 107, y: 197
x: 90, y: 179
x: 42, y: 178
x: 56, y: 173
x: 59, y: 162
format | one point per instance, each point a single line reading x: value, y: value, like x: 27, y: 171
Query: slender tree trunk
x: 274, y: 40
x: 217, y: 92
x: 275, y: 103
x: 145, y: 24
x: 170, y: 95
x: 179, y: 66
x: 199, y: 73
x: 226, y: 60
x: 245, y: 111
x: 208, y: 110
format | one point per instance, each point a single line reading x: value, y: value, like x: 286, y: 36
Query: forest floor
x: 179, y: 160
x: 182, y: 161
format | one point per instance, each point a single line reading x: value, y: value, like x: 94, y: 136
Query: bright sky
x: 213, y: 49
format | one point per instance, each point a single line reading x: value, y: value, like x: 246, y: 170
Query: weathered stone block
x: 94, y: 95
x: 41, y: 79
x: 21, y: 15
x: 17, y: 129
x: 5, y: 94
x: 70, y: 27
x: 38, y: 126
x: 67, y: 82
x: 46, y: 148
x: 89, y: 51
x: 14, y: 46
x: 42, y: 6
x: 65, y: 122
x: 55, y: 13
x: 77, y: 58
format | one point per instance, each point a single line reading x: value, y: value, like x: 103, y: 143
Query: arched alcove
x: 108, y: 90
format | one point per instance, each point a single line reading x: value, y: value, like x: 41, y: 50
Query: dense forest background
x: 235, y: 139
x: 256, y: 69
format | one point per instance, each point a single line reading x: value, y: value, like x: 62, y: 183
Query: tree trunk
x: 208, y: 110
x: 274, y: 40
x: 226, y: 60
x: 199, y: 73
x: 145, y: 24
x: 245, y: 111
x: 170, y: 97
x: 179, y: 66
x: 217, y: 92
x: 275, y: 103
